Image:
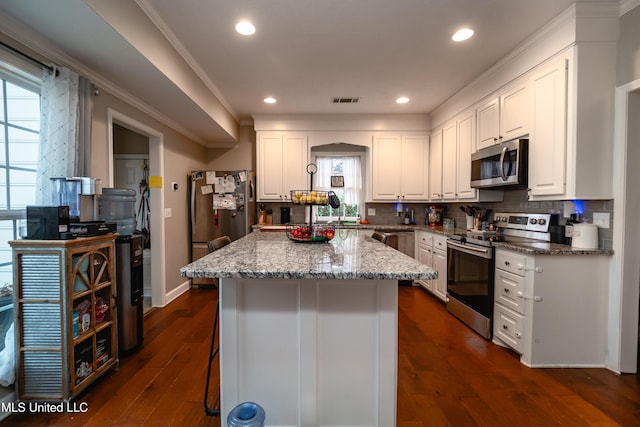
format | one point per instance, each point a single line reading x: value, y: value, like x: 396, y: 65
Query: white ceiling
x: 182, y: 60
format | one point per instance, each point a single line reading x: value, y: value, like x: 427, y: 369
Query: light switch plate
x: 601, y: 219
x: 167, y: 212
x: 371, y: 211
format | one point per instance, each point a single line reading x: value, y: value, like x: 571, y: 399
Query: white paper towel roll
x: 585, y: 236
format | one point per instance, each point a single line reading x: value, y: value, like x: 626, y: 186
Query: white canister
x: 469, y: 222
x: 585, y: 236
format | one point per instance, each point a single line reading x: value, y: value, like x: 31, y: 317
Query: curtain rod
x: 30, y: 58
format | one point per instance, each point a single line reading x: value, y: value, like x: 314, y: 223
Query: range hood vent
x: 344, y: 100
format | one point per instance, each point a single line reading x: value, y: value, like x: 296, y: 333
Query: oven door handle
x: 471, y: 250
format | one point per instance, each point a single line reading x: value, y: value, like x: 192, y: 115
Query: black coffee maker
x: 285, y: 215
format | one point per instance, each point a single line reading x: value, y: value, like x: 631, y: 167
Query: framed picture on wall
x: 337, y: 181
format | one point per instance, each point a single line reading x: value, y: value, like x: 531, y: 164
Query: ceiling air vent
x: 343, y: 100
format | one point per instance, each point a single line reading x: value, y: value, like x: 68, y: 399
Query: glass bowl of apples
x: 317, y: 233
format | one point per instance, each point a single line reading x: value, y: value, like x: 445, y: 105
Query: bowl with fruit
x: 310, y: 234
x: 313, y: 197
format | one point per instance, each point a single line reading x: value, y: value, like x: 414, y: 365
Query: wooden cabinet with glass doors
x: 65, y: 315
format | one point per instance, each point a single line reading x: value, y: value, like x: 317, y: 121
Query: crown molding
x: 627, y: 5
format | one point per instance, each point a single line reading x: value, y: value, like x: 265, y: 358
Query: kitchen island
x: 309, y: 331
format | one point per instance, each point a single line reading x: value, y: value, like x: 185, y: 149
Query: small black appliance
x: 285, y: 215
x: 48, y: 222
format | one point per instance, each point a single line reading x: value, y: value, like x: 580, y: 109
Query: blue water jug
x: 247, y: 414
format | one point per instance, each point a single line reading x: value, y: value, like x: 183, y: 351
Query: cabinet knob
x: 495, y: 139
x: 506, y: 290
x: 505, y: 327
x: 518, y: 335
x: 507, y: 263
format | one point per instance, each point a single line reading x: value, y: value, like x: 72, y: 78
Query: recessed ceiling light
x: 402, y: 100
x: 245, y: 28
x: 462, y: 35
x: 270, y: 100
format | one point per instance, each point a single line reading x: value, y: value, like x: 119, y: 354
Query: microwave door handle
x: 504, y: 153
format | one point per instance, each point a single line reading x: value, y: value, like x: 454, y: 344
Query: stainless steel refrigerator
x: 221, y: 203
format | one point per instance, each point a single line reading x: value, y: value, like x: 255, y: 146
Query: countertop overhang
x: 352, y: 254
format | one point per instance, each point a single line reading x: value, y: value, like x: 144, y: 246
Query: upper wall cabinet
x: 435, y: 166
x: 450, y: 162
x: 466, y: 127
x: 547, y: 148
x: 504, y: 117
x: 399, y: 167
x: 282, y: 162
x: 572, y: 125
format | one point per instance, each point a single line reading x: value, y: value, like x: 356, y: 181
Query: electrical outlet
x: 371, y: 211
x: 601, y: 219
x: 167, y: 212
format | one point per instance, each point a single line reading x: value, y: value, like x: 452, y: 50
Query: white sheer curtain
x: 351, y: 170
x: 59, y: 153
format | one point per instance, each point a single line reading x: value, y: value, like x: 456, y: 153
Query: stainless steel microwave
x: 502, y: 166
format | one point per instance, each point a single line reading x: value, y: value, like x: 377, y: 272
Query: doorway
x: 624, y: 289
x: 130, y: 172
x: 125, y: 168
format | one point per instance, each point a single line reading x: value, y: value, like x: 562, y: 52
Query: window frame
x: 22, y: 73
x: 361, y: 193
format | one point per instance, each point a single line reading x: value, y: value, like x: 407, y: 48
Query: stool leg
x: 212, y: 354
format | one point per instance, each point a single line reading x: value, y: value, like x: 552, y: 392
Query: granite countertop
x: 529, y: 247
x: 352, y: 254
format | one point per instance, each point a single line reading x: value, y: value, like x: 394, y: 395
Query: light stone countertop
x: 530, y: 247
x: 352, y: 254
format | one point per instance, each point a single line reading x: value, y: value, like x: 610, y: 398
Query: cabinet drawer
x: 440, y: 242
x: 423, y: 238
x: 511, y: 261
x: 510, y: 290
x: 508, y: 327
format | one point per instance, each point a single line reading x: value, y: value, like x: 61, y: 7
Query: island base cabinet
x: 310, y: 352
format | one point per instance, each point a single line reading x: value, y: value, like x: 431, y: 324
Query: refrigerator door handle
x: 193, y: 205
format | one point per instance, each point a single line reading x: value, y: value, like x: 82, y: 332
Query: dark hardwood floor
x: 447, y: 376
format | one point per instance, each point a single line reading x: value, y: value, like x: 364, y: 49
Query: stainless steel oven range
x: 470, y: 265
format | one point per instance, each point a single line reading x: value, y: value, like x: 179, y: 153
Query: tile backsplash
x: 513, y: 201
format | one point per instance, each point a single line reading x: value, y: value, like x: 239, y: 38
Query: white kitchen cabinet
x: 488, y: 123
x: 440, y: 265
x: 435, y: 166
x: 282, y: 162
x: 450, y: 174
x: 466, y: 124
x: 449, y: 160
x: 547, y: 148
x: 552, y: 308
x: 399, y: 168
x: 505, y: 116
x: 424, y: 254
x: 572, y: 124
x: 431, y: 249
